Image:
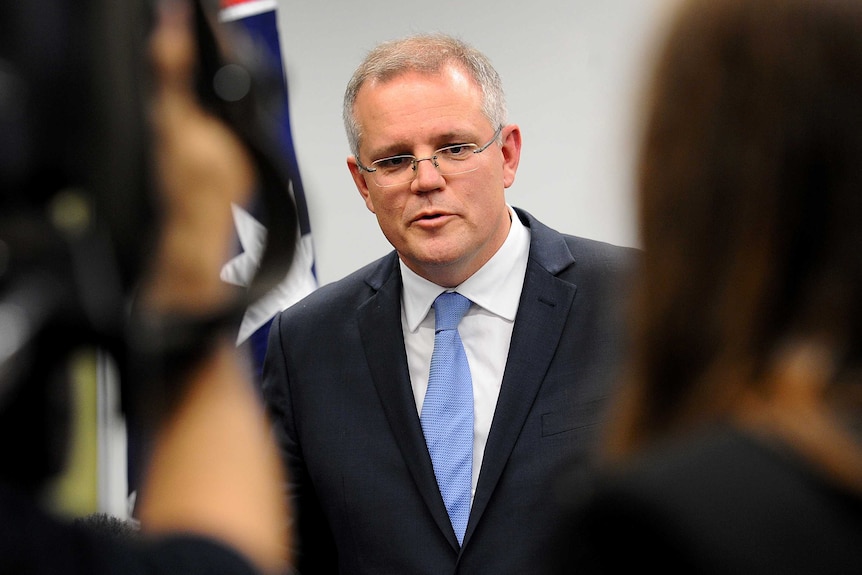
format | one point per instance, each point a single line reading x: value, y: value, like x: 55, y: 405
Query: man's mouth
x: 432, y: 218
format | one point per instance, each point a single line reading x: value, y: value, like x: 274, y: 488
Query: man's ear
x: 511, y: 153
x: 359, y: 180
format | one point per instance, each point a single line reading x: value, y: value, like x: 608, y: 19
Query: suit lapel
x: 379, y: 320
x: 542, y: 315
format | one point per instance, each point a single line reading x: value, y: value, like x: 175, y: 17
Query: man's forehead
x: 450, y: 70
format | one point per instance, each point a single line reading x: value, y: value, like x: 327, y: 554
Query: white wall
x: 572, y: 69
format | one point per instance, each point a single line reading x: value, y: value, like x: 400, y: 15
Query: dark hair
x: 750, y: 191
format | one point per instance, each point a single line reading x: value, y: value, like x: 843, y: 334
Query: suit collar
x: 495, y: 287
x: 382, y: 271
x: 548, y: 247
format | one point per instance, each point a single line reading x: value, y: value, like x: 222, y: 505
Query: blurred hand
x: 214, y: 469
x: 202, y: 167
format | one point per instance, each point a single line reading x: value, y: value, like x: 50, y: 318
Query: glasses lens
x: 393, y: 171
x: 457, y: 159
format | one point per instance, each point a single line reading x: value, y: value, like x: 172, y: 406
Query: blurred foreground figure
x: 114, y: 180
x: 737, y: 445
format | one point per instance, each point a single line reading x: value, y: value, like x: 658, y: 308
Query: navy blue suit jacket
x: 337, y: 384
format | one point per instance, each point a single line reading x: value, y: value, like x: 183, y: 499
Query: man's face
x: 443, y: 227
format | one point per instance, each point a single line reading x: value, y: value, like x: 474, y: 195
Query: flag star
x: 240, y: 270
x: 251, y: 233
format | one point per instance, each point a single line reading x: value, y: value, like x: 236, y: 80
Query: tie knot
x: 449, y: 308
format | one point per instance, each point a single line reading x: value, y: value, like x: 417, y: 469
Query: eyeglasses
x: 449, y: 161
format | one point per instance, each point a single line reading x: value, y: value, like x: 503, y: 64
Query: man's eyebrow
x: 394, y: 149
x: 456, y: 138
x: 437, y: 142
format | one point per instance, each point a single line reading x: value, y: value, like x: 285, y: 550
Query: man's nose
x: 427, y: 175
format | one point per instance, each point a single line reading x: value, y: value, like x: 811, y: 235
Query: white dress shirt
x: 486, y: 330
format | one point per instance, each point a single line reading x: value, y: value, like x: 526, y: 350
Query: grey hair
x: 427, y: 54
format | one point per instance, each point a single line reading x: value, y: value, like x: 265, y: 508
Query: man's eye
x: 394, y: 163
x: 456, y: 151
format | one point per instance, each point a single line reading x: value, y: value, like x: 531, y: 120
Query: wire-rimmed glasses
x: 449, y: 161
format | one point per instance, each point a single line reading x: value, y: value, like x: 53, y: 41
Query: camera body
x: 78, y: 210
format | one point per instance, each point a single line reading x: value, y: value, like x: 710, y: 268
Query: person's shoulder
x: 582, y: 249
x: 100, y: 545
x: 185, y: 553
x: 700, y: 458
x: 602, y: 263
x: 599, y: 250
x: 348, y: 291
x: 735, y: 502
x: 723, y: 473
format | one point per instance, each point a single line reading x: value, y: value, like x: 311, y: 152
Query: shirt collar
x: 496, y: 286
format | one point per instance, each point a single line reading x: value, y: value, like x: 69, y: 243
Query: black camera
x: 78, y: 216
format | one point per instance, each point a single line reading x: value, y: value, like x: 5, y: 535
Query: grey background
x: 573, y: 72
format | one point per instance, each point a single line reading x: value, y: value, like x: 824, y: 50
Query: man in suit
x: 432, y: 157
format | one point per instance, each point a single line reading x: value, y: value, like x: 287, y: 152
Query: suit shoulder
x: 601, y: 261
x: 557, y: 250
x: 346, y: 293
x: 596, y: 250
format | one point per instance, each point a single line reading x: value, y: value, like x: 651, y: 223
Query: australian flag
x: 259, y: 22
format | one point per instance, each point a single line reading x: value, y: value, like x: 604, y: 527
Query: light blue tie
x: 447, y: 412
